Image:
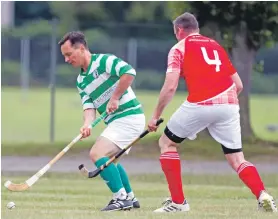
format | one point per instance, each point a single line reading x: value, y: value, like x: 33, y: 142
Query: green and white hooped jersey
x: 97, y: 85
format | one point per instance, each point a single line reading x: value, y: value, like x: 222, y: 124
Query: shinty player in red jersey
x: 213, y: 86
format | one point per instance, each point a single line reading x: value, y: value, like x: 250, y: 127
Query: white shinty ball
x: 11, y: 205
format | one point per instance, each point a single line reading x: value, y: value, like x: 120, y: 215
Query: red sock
x: 249, y: 175
x: 171, y: 166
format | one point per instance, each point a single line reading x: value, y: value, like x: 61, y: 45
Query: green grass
x: 70, y: 196
x: 202, y: 148
x: 263, y: 111
x: 29, y: 121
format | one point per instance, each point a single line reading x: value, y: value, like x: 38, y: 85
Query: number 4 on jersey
x: 216, y: 61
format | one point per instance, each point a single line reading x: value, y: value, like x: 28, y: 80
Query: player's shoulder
x: 177, y: 48
x: 104, y: 59
x: 196, y: 41
x: 178, y: 45
x: 103, y: 55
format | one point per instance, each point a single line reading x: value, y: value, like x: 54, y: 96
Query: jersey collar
x: 192, y: 34
x: 88, y: 69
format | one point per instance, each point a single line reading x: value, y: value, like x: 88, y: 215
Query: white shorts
x: 222, y: 121
x: 125, y: 130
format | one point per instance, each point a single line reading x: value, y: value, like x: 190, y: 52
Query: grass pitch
x: 28, y: 120
x: 71, y: 196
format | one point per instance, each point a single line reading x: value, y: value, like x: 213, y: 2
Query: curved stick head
x: 83, y: 170
x: 94, y: 173
x: 81, y: 166
x: 16, y: 187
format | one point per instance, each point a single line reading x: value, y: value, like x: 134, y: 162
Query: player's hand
x: 85, y: 131
x: 152, y: 127
x: 112, y: 105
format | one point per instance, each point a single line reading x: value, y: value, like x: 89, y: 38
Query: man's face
x: 73, y: 54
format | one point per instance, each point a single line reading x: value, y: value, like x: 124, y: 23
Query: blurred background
x: 40, y: 103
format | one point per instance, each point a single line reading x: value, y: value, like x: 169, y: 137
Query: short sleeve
x: 175, y: 60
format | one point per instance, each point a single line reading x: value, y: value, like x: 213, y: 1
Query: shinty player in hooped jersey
x: 104, y: 85
x: 213, y: 86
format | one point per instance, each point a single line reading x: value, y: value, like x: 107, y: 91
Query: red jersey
x: 206, y: 68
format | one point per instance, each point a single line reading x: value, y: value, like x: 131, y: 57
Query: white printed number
x: 216, y: 61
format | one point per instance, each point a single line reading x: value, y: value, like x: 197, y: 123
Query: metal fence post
x: 132, y: 55
x: 25, y: 66
x: 53, y: 65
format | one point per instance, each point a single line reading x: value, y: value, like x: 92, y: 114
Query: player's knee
x: 94, y: 155
x: 103, y: 148
x: 161, y: 142
x: 165, y: 144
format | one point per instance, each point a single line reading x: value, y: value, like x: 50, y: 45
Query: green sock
x: 124, y: 178
x: 110, y: 175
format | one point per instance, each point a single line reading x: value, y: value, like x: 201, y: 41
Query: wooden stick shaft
x: 28, y: 183
x: 112, y: 159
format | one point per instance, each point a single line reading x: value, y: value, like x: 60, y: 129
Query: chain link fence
x: 26, y: 61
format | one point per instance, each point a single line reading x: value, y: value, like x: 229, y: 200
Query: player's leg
x: 122, y: 132
x: 226, y: 130
x: 100, y: 153
x: 249, y: 175
x: 127, y: 185
x: 184, y: 123
x: 171, y: 167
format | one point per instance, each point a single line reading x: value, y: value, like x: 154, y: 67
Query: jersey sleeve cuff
x: 88, y: 106
x: 173, y: 71
x: 130, y: 72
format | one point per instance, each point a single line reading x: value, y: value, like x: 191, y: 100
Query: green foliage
x: 259, y: 17
x: 26, y: 11
x: 116, y: 18
x: 66, y: 12
x: 176, y: 8
x: 259, y: 67
x: 155, y: 11
x: 97, y: 35
x: 29, y: 29
x: 90, y: 11
x: 138, y: 12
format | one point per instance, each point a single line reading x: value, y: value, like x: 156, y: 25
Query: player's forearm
x: 124, y: 82
x: 236, y: 79
x: 165, y: 97
x: 89, y: 116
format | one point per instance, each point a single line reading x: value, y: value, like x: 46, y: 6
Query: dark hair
x: 75, y: 37
x: 186, y: 21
